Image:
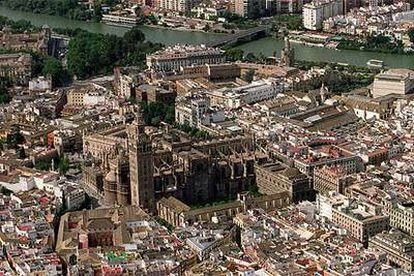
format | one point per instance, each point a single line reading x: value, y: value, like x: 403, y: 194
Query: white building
x: 316, y: 12
x: 40, y: 84
x: 393, y: 81
x: 208, y: 11
x: 23, y: 184
x: 190, y: 110
x: 73, y: 196
x: 94, y: 98
x: 116, y: 20
x: 173, y: 58
x: 177, y: 5
x: 247, y: 94
x: 325, y: 204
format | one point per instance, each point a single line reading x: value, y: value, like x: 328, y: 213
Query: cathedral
x: 130, y: 165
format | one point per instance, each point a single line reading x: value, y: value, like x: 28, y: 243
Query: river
x: 267, y: 45
x: 161, y: 35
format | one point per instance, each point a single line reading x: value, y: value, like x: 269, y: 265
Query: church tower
x: 141, y: 165
x: 287, y: 56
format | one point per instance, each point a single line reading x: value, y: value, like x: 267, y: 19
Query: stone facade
x: 193, y: 171
x: 16, y: 67
x: 179, y: 214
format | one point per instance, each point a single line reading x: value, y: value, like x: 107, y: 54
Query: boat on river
x: 375, y: 63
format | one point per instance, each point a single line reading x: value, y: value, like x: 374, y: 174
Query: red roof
x: 44, y: 200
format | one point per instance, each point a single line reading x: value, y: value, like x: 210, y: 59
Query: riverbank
x: 181, y: 29
x: 267, y: 45
x: 156, y: 35
x: 91, y: 19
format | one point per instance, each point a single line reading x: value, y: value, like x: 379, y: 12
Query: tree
x: 155, y: 121
x: 90, y: 54
x: 251, y: 57
x: 14, y: 138
x: 207, y: 28
x: 45, y: 138
x: 2, y: 144
x: 73, y: 9
x: 53, y: 67
x: 21, y: 153
x: 133, y: 38
x: 155, y: 113
x: 21, y: 26
x: 289, y: 21
x: 152, y: 19
x: 248, y: 75
x: 63, y: 165
x: 42, y: 166
x: 4, y: 94
x: 411, y: 34
x: 97, y: 11
x: 234, y: 54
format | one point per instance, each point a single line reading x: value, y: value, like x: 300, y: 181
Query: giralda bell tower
x: 141, y: 165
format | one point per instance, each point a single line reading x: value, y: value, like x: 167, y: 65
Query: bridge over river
x: 239, y: 36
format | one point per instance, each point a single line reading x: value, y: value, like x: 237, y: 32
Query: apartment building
x: 316, y: 12
x: 361, y: 220
x: 177, y: 5
x: 398, y: 247
x: 402, y: 216
x: 250, y: 8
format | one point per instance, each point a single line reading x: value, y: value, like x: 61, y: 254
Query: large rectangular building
x: 250, y: 8
x: 402, y: 216
x: 16, y: 67
x: 333, y: 178
x: 274, y: 178
x: 328, y: 156
x: 398, y: 247
x: 361, y: 220
x: 316, y: 12
x: 177, y: 5
x: 253, y: 92
x: 393, y: 81
x: 174, y: 58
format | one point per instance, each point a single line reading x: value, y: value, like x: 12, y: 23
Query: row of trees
x: 18, y: 26
x: 235, y: 21
x: 286, y: 21
x: 92, y: 54
x: 72, y: 9
x: 236, y: 54
x: 377, y: 43
x: 157, y: 112
x: 61, y: 162
x: 411, y: 34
